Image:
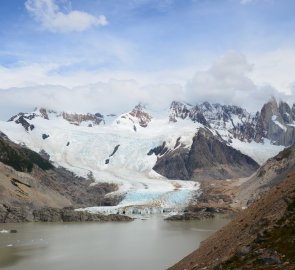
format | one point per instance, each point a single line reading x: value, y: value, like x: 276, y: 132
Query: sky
x: 108, y: 55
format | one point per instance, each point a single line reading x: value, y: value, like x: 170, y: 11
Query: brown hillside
x: 242, y: 232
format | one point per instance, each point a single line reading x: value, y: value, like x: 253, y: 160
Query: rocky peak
x: 186, y: 111
x: 276, y: 122
x: 178, y: 110
x: 269, y: 110
x: 72, y: 118
x: 77, y: 119
x: 143, y: 117
x: 22, y: 119
x: 286, y: 112
x: 209, y: 157
x: 44, y: 113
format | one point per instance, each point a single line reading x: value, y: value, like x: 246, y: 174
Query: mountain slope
x: 270, y: 211
x: 208, y: 158
x: 29, y: 182
x: 270, y: 174
x: 234, y: 246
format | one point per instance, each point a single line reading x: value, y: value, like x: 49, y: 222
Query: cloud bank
x: 50, y: 16
x: 226, y: 81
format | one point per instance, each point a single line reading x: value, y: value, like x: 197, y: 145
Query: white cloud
x: 48, y: 13
x: 114, y: 96
x: 275, y: 68
x: 228, y: 81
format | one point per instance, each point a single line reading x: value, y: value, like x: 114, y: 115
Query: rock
x: 245, y: 250
x: 45, y: 136
x: 9, y: 214
x: 190, y: 216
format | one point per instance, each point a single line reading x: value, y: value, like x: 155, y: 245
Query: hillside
x: 29, y: 182
x: 261, y: 236
x: 270, y: 174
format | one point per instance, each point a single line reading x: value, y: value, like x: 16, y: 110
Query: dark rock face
x: 173, y: 165
x: 45, y: 136
x: 208, y: 158
x: 22, y: 118
x: 159, y: 150
x: 213, y: 159
x: 115, y: 150
x: 21, y: 159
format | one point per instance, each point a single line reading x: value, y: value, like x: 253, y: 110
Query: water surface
x: 142, y: 244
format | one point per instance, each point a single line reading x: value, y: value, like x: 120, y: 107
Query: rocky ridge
x: 209, y: 157
x: 73, y: 118
x: 275, y: 121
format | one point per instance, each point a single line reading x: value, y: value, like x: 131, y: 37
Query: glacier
x: 116, y: 152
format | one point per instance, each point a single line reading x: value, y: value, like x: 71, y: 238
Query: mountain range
x: 147, y: 153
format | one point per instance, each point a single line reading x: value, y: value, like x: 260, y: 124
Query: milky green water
x: 152, y: 244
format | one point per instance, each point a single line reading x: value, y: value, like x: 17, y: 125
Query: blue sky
x: 71, y: 43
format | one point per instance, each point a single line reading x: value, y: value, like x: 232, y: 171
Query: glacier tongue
x: 146, y: 202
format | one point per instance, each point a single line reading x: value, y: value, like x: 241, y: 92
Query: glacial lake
x: 142, y: 244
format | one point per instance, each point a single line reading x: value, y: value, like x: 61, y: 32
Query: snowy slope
x: 84, y: 149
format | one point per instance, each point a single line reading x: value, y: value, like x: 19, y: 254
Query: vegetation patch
x: 21, y: 159
x: 272, y: 249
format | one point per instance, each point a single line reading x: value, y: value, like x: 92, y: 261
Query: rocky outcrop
x: 77, y: 119
x: 22, y: 119
x: 9, y: 214
x: 70, y: 215
x: 208, y: 158
x: 143, y: 117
